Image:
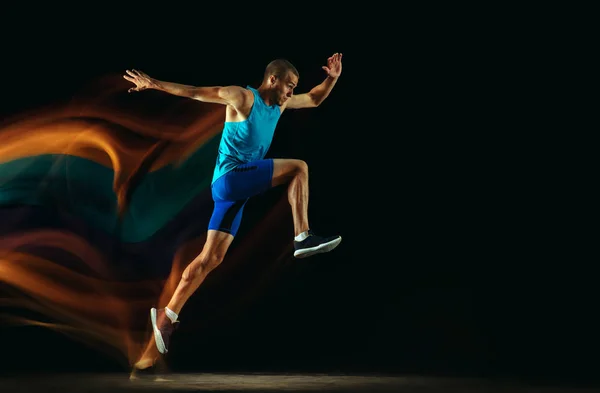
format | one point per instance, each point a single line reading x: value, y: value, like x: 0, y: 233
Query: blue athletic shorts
x: 231, y: 191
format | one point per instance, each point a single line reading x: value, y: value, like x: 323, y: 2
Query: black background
x: 423, y: 159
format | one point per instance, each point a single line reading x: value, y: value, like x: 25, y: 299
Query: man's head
x: 280, y: 79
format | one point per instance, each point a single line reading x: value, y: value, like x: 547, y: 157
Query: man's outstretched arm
x: 226, y: 95
x: 319, y: 93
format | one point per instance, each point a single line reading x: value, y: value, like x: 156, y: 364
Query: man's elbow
x: 209, y: 94
x: 315, y: 100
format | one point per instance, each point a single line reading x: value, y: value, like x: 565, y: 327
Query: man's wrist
x: 155, y: 84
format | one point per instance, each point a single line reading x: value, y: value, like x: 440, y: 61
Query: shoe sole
x: 153, y: 372
x: 321, y: 248
x: 160, y: 344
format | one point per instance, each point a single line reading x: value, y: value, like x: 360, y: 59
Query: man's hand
x: 141, y: 80
x: 334, y: 65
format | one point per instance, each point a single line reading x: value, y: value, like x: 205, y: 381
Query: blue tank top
x: 247, y: 140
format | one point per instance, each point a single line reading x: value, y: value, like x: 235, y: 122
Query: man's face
x: 284, y: 88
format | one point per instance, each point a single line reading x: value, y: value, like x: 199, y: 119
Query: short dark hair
x: 280, y: 68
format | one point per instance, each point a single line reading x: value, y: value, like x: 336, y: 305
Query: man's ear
x: 272, y: 79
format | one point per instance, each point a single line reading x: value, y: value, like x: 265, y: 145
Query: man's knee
x: 289, y: 169
x: 297, y: 168
x: 302, y: 167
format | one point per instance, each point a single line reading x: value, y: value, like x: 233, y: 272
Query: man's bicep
x: 225, y: 95
x: 301, y: 101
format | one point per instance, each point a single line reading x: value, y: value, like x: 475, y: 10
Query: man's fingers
x: 139, y: 73
x: 133, y: 77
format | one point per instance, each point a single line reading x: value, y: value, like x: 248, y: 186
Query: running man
x: 242, y: 172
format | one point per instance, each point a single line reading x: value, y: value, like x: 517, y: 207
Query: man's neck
x: 264, y: 94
